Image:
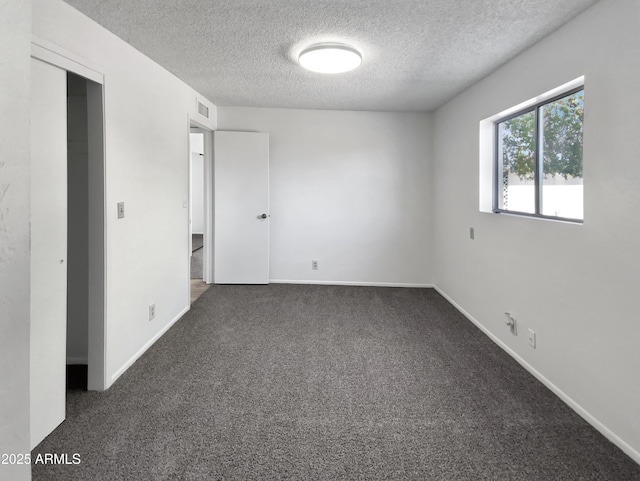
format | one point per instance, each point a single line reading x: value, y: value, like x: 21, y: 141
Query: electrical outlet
x: 314, y: 265
x: 152, y: 312
x: 531, y: 336
x: 472, y: 233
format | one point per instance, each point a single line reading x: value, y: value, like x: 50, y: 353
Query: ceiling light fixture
x: 330, y: 58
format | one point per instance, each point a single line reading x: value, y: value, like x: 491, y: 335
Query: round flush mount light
x: 330, y: 58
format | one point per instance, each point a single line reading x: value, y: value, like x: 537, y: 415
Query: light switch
x: 120, y: 210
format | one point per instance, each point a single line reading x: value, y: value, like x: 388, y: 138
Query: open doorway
x: 196, y: 143
x: 67, y: 227
x: 199, y: 225
x: 85, y: 234
x: 77, y: 233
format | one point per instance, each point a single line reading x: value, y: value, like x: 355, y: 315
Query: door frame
x: 57, y: 56
x: 207, y: 255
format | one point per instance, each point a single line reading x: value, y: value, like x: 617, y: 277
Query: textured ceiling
x: 417, y: 54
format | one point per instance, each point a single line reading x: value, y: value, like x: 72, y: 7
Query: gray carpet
x: 286, y: 382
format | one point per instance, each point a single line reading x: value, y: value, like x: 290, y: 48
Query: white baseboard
x: 144, y: 348
x: 587, y: 416
x: 351, y: 283
x: 77, y: 360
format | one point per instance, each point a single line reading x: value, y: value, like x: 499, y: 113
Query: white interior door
x: 48, y: 248
x: 241, y: 200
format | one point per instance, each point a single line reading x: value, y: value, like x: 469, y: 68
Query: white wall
x: 197, y: 183
x: 15, y: 28
x: 147, y: 166
x: 575, y: 285
x: 350, y: 189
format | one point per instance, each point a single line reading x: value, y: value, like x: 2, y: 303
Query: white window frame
x: 489, y: 180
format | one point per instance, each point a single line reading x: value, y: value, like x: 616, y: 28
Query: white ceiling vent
x: 203, y: 109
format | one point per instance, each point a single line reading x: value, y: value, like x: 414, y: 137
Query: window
x: 538, y: 164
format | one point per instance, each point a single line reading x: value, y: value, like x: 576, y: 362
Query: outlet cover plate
x: 531, y: 337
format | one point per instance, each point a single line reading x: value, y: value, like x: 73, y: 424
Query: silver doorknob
x: 264, y: 216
